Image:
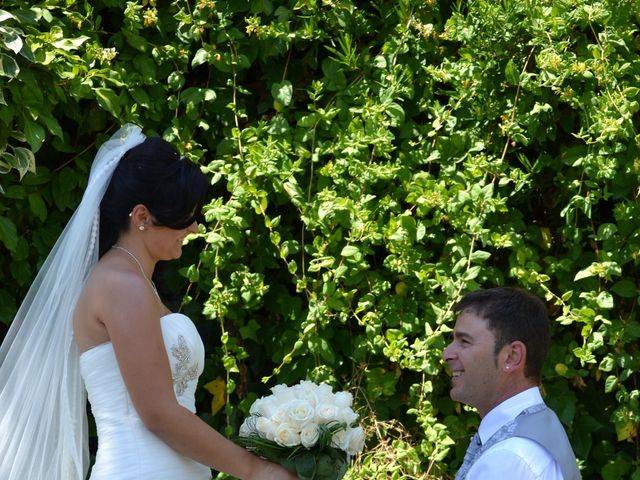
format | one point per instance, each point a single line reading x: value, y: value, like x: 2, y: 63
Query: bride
x: 93, y: 317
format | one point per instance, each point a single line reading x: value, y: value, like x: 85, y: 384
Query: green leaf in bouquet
x: 339, y: 460
x: 306, y: 466
x: 325, y: 466
x: 289, y: 463
x: 342, y: 469
x: 327, y: 431
x: 331, y: 464
x: 263, y: 447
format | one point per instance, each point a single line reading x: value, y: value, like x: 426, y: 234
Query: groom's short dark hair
x: 513, y: 314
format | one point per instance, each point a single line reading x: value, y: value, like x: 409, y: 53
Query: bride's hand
x: 271, y: 471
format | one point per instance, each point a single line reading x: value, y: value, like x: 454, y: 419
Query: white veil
x: 43, y: 424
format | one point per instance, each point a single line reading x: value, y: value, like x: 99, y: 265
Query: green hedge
x: 370, y: 162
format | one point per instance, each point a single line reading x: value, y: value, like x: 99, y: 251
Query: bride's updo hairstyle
x: 152, y: 174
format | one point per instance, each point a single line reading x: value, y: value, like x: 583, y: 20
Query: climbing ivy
x: 370, y: 162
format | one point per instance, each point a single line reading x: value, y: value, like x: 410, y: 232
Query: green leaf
x: 141, y: 97
x: 349, y: 251
x: 379, y: 61
x: 147, y: 67
x: 4, y: 16
x: 25, y: 161
x: 325, y: 466
x: 585, y: 273
x: 633, y: 330
x: 62, y: 187
x: 11, y: 39
x: 35, y: 135
x: 480, y: 256
x: 604, y: 300
x: 335, y: 77
x: 292, y: 266
x: 308, y: 121
x: 38, y: 207
x: 625, y: 288
x: 305, y: 466
x: 70, y: 44
x: 230, y: 364
x: 472, y: 273
x: 21, y: 272
x: 175, y: 80
x: 279, y: 125
x: 108, y: 100
x: 282, y: 92
x: 606, y: 231
x: 197, y: 95
x: 511, y: 73
x: 292, y: 188
x: 250, y: 331
x: 8, y: 66
x: 396, y: 114
x: 51, y: 123
x: 617, y: 467
x: 201, y: 56
x: 607, y: 364
x: 8, y: 233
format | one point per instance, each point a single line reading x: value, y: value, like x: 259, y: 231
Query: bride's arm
x: 131, y: 314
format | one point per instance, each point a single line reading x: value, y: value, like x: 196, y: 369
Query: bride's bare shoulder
x: 113, y: 283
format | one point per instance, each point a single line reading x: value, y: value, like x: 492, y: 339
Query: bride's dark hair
x: 152, y: 174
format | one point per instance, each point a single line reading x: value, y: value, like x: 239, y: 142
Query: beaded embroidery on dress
x: 186, y: 370
x: 126, y: 449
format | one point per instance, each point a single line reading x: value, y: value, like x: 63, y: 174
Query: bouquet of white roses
x: 306, y: 428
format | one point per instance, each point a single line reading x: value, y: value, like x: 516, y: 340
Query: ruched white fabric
x: 126, y: 449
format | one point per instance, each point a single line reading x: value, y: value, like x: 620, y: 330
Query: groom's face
x: 475, y: 376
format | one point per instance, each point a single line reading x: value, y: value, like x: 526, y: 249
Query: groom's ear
x: 514, y: 357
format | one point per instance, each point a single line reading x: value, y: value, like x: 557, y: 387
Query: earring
x: 141, y: 227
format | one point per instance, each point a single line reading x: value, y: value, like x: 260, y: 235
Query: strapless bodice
x: 126, y: 449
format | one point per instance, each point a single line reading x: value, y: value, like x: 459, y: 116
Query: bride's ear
x: 139, y: 217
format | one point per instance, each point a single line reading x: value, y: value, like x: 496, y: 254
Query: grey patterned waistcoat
x: 540, y: 424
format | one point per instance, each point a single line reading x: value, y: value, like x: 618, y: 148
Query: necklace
x: 153, y: 286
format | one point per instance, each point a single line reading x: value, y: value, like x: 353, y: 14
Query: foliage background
x: 370, y: 162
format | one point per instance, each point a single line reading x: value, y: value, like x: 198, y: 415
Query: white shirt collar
x: 506, y: 411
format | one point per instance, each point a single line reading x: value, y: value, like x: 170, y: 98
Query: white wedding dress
x: 126, y: 449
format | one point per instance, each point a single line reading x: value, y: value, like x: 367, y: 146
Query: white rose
x: 354, y: 440
x: 287, y: 435
x: 338, y: 440
x: 245, y: 428
x: 264, y: 407
x: 257, y: 406
x: 266, y: 428
x: 343, y: 399
x: 309, y: 435
x: 300, y: 412
x: 308, y: 391
x: 326, y: 413
x: 324, y: 394
x: 282, y: 393
x: 347, y: 416
x: 280, y: 415
x: 324, y: 390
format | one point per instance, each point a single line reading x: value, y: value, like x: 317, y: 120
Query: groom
x: 500, y: 341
